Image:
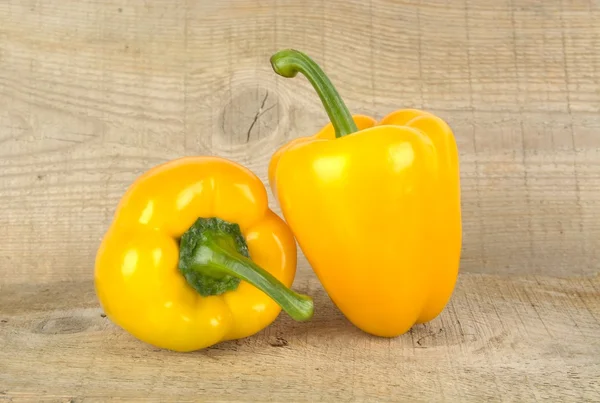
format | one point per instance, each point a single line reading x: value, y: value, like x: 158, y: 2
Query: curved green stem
x: 289, y: 62
x: 299, y: 307
x: 213, y: 258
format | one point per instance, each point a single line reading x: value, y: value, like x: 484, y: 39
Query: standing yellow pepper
x: 376, y: 211
x: 194, y: 257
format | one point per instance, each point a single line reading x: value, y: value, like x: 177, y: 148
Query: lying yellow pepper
x: 375, y: 211
x: 169, y: 269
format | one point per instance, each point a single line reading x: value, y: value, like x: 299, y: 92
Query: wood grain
x: 93, y: 93
x: 501, y: 339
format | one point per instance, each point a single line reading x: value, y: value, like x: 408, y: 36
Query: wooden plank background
x: 93, y: 93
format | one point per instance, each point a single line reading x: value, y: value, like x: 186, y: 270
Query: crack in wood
x: 259, y: 112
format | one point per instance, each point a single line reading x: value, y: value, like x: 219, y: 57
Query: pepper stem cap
x: 214, y: 258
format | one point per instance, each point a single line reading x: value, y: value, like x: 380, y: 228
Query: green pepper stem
x: 288, y: 62
x: 212, y: 258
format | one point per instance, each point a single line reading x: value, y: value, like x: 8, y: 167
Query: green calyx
x: 195, y: 250
x: 289, y: 62
x: 214, y: 258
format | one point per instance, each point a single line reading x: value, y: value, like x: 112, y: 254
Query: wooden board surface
x: 94, y: 93
x: 501, y: 339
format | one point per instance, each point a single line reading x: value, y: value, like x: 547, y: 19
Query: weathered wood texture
x: 501, y: 339
x: 93, y: 93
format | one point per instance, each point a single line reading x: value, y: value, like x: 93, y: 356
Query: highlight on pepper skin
x: 194, y: 257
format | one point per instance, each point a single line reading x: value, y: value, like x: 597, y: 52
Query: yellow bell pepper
x: 194, y: 256
x: 375, y: 207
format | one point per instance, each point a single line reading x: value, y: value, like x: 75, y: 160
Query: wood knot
x: 249, y: 116
x: 64, y: 325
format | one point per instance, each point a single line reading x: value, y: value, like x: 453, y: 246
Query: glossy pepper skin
x: 374, y: 206
x: 181, y: 230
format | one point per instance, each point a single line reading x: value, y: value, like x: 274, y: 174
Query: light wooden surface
x: 501, y: 339
x: 94, y: 93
